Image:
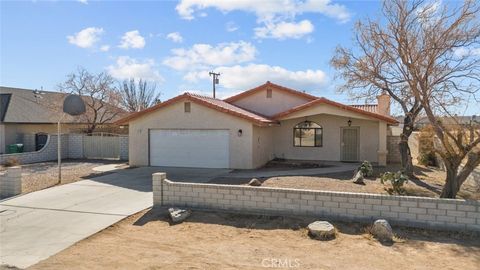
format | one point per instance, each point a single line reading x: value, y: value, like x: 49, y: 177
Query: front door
x: 350, y: 143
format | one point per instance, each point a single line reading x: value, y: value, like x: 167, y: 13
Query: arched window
x: 307, y: 134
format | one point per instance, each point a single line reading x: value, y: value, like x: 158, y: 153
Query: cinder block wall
x: 75, y: 145
x: 401, y: 210
x: 123, y: 147
x: 11, y: 182
x: 47, y: 153
x: 72, y: 147
x: 393, y: 155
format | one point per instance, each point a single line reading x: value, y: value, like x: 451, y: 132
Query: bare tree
x: 376, y: 67
x: 138, y: 96
x: 421, y: 55
x: 99, y: 94
x: 444, y: 71
x: 424, y: 57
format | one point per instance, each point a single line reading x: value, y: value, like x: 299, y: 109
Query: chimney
x: 383, y: 101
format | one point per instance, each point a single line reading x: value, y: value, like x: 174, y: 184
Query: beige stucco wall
x: 200, y: 117
x: 262, y: 142
x: 279, y: 102
x: 369, y: 138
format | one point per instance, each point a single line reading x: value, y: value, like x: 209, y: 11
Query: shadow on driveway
x: 140, y: 178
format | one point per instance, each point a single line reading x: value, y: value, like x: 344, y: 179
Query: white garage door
x: 189, y: 148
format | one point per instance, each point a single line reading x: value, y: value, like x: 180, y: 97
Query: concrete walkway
x: 334, y: 167
x: 37, y: 225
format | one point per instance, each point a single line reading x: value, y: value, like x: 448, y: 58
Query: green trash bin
x: 19, y: 147
x: 12, y: 148
x: 15, y: 148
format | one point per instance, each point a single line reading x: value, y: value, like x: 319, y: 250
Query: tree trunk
x: 406, y: 157
x: 451, y: 187
x: 456, y: 175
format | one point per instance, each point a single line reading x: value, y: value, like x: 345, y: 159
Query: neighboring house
x: 26, y: 116
x: 249, y: 129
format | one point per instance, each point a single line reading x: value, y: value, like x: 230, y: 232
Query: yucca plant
x: 397, y: 180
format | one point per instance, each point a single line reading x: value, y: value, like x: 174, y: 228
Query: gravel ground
x: 429, y: 183
x: 43, y: 175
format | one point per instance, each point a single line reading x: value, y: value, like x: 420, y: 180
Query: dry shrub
x: 11, y: 162
x: 426, y: 147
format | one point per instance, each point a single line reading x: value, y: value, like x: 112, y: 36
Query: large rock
x: 358, y: 178
x: 321, y: 230
x: 382, y: 230
x: 255, y: 182
x: 178, y: 215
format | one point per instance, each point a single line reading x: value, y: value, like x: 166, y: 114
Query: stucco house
x: 249, y: 129
x: 27, y: 115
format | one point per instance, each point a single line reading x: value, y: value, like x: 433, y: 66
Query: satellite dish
x: 73, y: 105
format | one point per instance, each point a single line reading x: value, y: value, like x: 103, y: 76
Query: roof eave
x: 384, y: 118
x: 134, y: 116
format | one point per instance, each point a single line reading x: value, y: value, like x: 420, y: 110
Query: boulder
x: 178, y: 215
x: 382, y: 230
x: 255, y: 182
x: 358, y: 178
x: 322, y: 230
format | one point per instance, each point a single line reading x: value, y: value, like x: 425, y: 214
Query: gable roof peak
x: 276, y: 86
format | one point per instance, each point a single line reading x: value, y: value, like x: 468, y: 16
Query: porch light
x: 240, y: 132
x: 349, y: 122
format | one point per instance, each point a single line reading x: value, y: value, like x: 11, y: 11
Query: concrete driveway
x: 39, y: 224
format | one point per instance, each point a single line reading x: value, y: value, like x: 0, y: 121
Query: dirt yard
x: 39, y: 176
x: 429, y: 183
x: 210, y: 240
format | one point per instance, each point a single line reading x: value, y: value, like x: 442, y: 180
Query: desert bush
x: 426, y: 147
x: 366, y: 169
x: 11, y: 162
x: 396, y: 179
x: 427, y: 159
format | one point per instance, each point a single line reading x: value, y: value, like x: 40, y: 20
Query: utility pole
x: 214, y: 81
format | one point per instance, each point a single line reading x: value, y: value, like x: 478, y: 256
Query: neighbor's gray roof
x: 25, y: 106
x: 4, y: 100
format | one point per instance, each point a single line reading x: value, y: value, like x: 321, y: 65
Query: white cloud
x: 462, y: 52
x: 206, y: 55
x: 104, y: 48
x: 231, y: 26
x: 283, y: 30
x: 244, y: 77
x: 83, y: 1
x: 175, y: 37
x: 266, y: 9
x: 132, y: 39
x: 86, y: 38
x: 127, y: 67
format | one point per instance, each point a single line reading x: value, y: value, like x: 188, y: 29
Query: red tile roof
x: 226, y: 107
x: 366, y: 107
x: 323, y: 100
x: 213, y: 103
x: 264, y: 86
x: 230, y: 108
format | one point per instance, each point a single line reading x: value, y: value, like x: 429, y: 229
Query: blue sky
x: 177, y: 43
